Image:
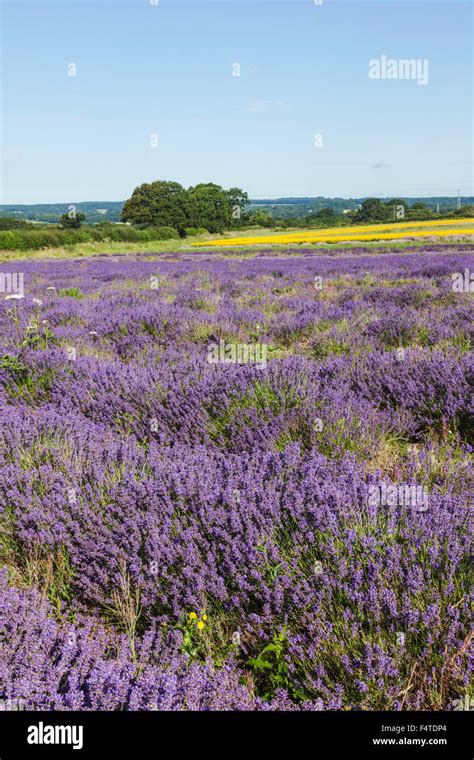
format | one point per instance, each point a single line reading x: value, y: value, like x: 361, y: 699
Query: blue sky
x: 167, y: 70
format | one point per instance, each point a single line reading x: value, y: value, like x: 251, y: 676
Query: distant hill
x: 95, y: 211
x: 295, y: 208
x: 280, y: 208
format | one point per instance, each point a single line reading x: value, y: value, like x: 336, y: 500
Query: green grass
x: 89, y: 249
x: 71, y: 293
x: 95, y: 249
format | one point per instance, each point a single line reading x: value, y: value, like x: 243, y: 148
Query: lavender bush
x: 285, y: 533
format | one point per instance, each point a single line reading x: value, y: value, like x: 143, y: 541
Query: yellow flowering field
x: 394, y: 231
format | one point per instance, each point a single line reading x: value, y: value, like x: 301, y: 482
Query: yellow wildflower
x: 200, y: 625
x: 392, y: 231
x: 192, y: 615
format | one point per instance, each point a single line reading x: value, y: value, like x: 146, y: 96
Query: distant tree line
x: 285, y: 211
x: 95, y: 211
x: 371, y: 211
x: 397, y: 209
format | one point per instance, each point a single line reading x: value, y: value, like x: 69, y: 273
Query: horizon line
x: 263, y: 198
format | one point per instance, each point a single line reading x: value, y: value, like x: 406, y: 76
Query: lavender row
x: 290, y: 531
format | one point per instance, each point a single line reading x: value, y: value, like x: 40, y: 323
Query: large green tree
x: 161, y: 204
x: 211, y: 203
x: 238, y: 201
x: 168, y: 204
x: 373, y: 210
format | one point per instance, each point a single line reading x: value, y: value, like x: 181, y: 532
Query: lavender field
x: 236, y: 482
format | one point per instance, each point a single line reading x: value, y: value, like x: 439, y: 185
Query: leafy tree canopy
x: 205, y: 205
x: 160, y: 204
x: 72, y: 221
x: 373, y: 210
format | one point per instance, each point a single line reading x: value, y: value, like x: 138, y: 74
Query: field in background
x: 248, y: 244
x: 395, y: 231
x: 84, y: 250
